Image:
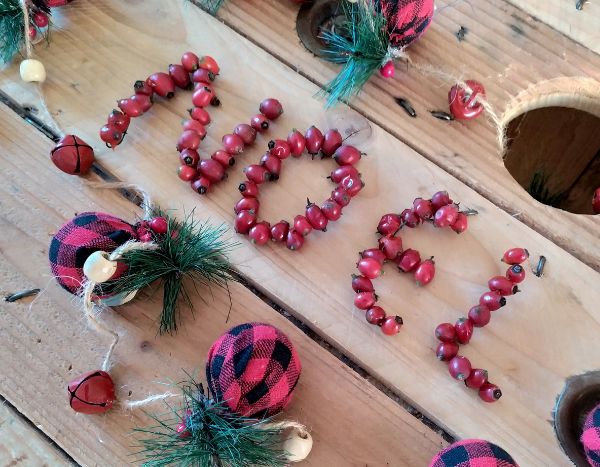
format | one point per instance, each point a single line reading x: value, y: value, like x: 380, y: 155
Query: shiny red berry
x: 162, y: 84
x: 347, y: 155
x: 364, y: 300
x: 233, y: 144
x: 477, y: 378
x: 423, y: 208
x: 341, y: 196
x: 302, y: 225
x: 445, y: 332
x: 180, y: 76
x: 280, y: 148
x: 459, y: 368
x: 391, y: 325
x: 190, y: 61
x: 244, y: 221
x: 492, y: 300
x: 144, y: 101
x: 464, y: 330
x: 342, y: 172
x: 189, y: 139
x: 271, y: 108
x: 331, y: 210
x: 439, y: 199
x: 256, y: 173
x: 369, y: 267
x: 446, y: 351
x: 111, y: 136
x: 187, y: 173
x: 480, y: 315
x: 260, y: 123
x: 131, y: 108
x: 409, y: 260
x: 260, y: 233
x: 461, y: 223
x: 247, y: 204
x: 489, y: 392
x: 119, y: 121
x: 159, y: 225
x: 362, y: 284
x: 388, y: 224
x: 210, y: 64
x: 40, y: 19
x: 294, y: 240
x: 223, y: 158
x: 502, y: 285
x: 352, y: 184
x: 212, y: 170
x: 246, y: 132
x: 515, y: 256
x: 195, y: 125
x: 391, y: 246
x: 374, y: 253
x: 189, y: 157
x: 445, y: 216
x: 316, y: 217
x: 516, y: 273
x: 332, y: 140
x: 388, y: 70
x: 248, y: 189
x: 203, y: 96
x: 314, y: 140
x: 425, y: 272
x: 279, y: 231
x: 410, y: 218
x: 202, y: 75
x: 201, y: 185
x: 199, y: 114
x: 375, y: 315
x: 142, y: 87
x: 272, y: 164
x: 297, y: 143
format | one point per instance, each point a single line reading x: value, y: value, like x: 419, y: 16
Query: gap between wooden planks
x: 506, y: 49
x: 89, y: 68
x: 45, y: 346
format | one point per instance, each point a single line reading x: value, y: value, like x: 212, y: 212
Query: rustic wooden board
x: 546, y: 333
x: 505, y: 48
x: 47, y: 344
x: 23, y: 445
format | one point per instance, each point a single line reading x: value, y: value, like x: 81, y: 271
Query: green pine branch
x: 211, y: 6
x: 190, y: 249
x: 11, y: 29
x: 215, y: 436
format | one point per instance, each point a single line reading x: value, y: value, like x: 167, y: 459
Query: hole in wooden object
x: 313, y: 19
x: 579, y: 396
x: 553, y: 142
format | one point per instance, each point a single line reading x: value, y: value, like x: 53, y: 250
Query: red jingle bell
x: 92, y: 392
x: 463, y: 105
x: 72, y: 155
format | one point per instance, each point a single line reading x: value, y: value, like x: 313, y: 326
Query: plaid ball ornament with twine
x: 473, y: 453
x: 590, y: 438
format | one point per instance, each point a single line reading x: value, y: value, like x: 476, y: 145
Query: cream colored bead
x: 297, y: 446
x: 32, y: 70
x: 119, y: 299
x: 98, y: 268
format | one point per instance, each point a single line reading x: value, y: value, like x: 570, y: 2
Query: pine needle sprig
x: 210, y: 6
x: 215, y: 436
x: 11, y: 29
x: 361, y: 46
x: 189, y: 250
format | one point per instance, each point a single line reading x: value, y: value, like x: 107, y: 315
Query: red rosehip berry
x: 142, y: 87
x: 515, y: 273
x: 111, y: 136
x: 492, y: 300
x: 389, y: 223
x: 247, y: 204
x: 362, y: 284
x: 162, y: 84
x: 246, y: 132
x: 212, y: 170
x: 195, y: 125
x: 130, y: 108
x: 425, y: 272
x: 316, y: 217
x: 144, y: 101
x: 446, y: 351
x: 477, y: 378
x: 342, y: 172
x: 294, y: 240
x: 210, y: 64
x: 409, y: 260
x: 314, y: 140
x: 489, y: 392
x: 302, y: 225
x: 445, y: 216
x: 182, y: 430
x: 244, y: 221
x: 502, y: 285
x: 199, y: 114
x: 248, y: 189
x: 375, y: 315
x: 180, y: 76
x: 391, y: 246
x: 280, y: 148
x: 203, y: 77
x: 256, y: 173
x: 369, y: 267
x: 423, y: 208
x: 439, y: 199
x: 347, y: 155
x: 260, y: 233
x: 187, y: 173
x: 40, y: 19
x: 272, y: 164
x: 364, y: 300
x: 279, y: 231
x: 189, y: 157
x: 331, y: 210
x: 233, y: 144
x: 341, y: 196
x: 189, y: 139
x: 461, y: 223
x: 391, y: 325
x: 388, y: 70
x: 515, y: 256
x: 159, y: 225
x: 204, y: 96
x: 459, y: 368
x: 223, y: 158
x: 190, y: 61
x: 297, y: 143
x: 445, y: 332
x: 410, y: 218
x: 352, y: 184
x: 119, y: 121
x: 464, y: 330
x: 480, y: 315
x: 374, y: 253
x: 271, y: 108
x: 260, y: 123
x: 332, y: 140
x: 201, y: 185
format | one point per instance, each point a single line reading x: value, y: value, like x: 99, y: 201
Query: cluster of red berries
x: 314, y: 141
x: 202, y: 70
x: 202, y: 173
x: 451, y: 335
x: 147, y: 230
x: 440, y: 210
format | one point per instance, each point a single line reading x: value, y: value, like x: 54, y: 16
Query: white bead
x: 298, y: 446
x: 32, y: 70
x: 118, y: 299
x: 98, y: 268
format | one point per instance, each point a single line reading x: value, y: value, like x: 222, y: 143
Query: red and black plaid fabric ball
x: 253, y: 368
x: 473, y: 453
x: 407, y: 19
x: 590, y: 438
x: 79, y: 238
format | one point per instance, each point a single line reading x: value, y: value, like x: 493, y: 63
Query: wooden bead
x: 297, y: 446
x: 98, y: 268
x: 32, y: 70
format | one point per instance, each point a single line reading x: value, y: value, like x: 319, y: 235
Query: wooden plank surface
x: 505, y: 48
x: 23, y: 446
x: 87, y: 74
x: 48, y: 344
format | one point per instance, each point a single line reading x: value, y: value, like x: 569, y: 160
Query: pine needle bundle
x: 209, y: 435
x: 189, y: 249
x: 12, y: 26
x: 210, y: 6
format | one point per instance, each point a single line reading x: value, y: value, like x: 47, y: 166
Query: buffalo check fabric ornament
x: 590, y: 438
x: 79, y: 238
x: 473, y: 453
x: 253, y: 369
x: 406, y: 19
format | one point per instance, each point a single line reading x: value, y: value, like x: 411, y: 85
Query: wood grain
x: 505, y: 48
x: 545, y: 334
x: 23, y: 446
x: 46, y: 343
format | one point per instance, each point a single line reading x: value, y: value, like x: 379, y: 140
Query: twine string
x: 28, y: 48
x: 146, y: 199
x: 133, y: 405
